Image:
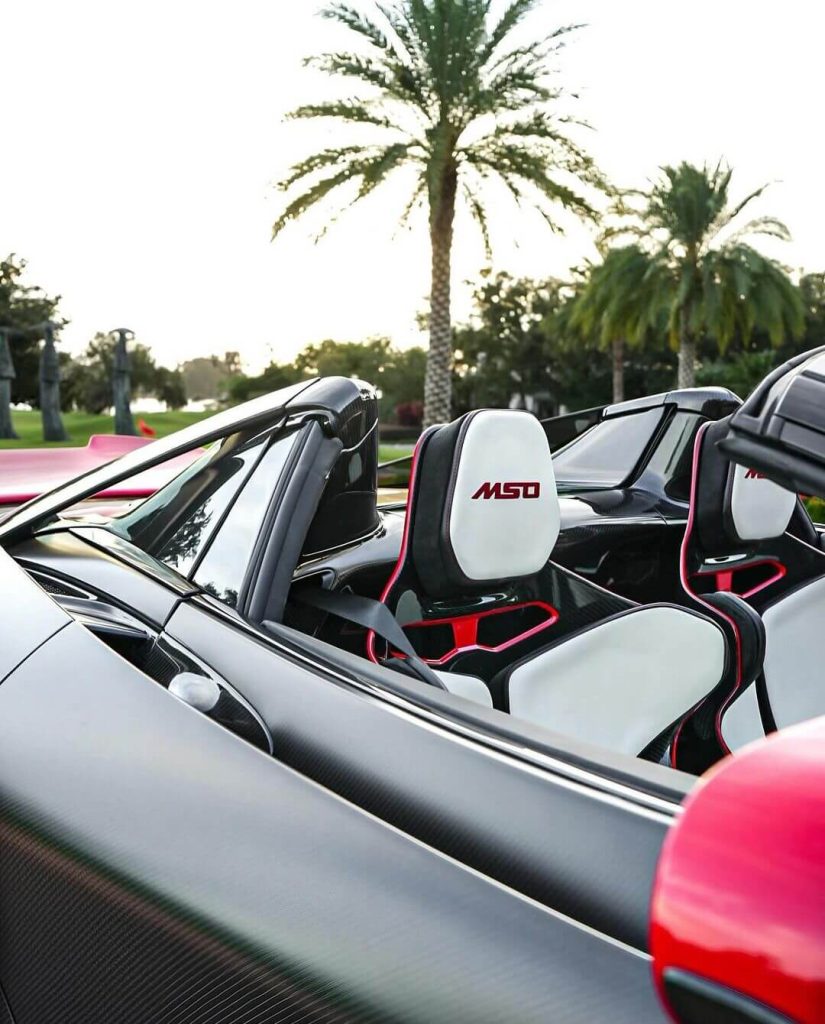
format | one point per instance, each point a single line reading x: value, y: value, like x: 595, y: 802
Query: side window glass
x: 673, y: 459
x: 216, y: 485
x: 222, y: 569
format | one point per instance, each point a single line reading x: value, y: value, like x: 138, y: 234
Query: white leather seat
x: 483, y: 519
x: 752, y: 515
x: 470, y: 687
x: 624, y: 681
x: 794, y: 671
x: 794, y: 675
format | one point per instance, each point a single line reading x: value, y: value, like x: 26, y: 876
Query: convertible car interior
x: 276, y: 525
x: 754, y: 537
x: 484, y: 605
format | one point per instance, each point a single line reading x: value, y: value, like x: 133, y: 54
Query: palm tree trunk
x: 687, y: 362
x: 438, y: 377
x: 687, y: 352
x: 618, y: 369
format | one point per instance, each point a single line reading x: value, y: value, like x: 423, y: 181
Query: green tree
x: 87, y: 379
x: 455, y: 97
x: 704, y: 274
x: 365, y: 360
x: 740, y: 371
x: 611, y: 306
x: 508, y: 351
x: 274, y: 377
x: 208, y: 377
x: 398, y: 374
x: 812, y: 292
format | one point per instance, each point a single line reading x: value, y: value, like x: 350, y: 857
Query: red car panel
x: 26, y: 473
x: 739, y: 897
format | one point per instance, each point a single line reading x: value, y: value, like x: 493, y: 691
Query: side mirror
x: 738, y: 909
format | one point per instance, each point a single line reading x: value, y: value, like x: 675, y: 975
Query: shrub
x: 816, y: 509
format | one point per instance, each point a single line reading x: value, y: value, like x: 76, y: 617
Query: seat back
x: 477, y: 593
x: 474, y: 587
x: 749, y: 536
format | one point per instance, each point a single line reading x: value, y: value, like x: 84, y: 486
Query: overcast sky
x: 142, y: 140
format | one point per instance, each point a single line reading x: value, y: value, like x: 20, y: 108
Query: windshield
x: 606, y: 455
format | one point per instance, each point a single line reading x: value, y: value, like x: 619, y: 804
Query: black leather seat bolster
x: 751, y: 632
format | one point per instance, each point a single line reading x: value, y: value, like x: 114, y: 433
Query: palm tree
x: 611, y: 305
x: 452, y: 96
x: 705, y: 275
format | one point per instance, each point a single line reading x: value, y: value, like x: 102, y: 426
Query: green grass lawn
x: 816, y: 508
x: 81, y: 426
x: 388, y: 452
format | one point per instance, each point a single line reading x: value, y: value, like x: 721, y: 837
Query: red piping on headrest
x: 685, y: 579
x: 402, y: 555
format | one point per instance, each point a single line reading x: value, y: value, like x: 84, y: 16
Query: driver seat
x: 476, y: 592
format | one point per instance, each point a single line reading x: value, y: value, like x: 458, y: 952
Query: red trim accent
x: 724, y: 577
x: 405, y: 537
x: 685, y: 580
x: 465, y: 634
x: 465, y: 629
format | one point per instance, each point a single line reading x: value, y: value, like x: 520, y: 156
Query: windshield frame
x: 258, y: 414
x: 662, y: 415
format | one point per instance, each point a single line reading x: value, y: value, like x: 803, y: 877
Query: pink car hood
x: 26, y: 473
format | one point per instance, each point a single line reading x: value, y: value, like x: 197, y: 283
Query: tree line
x: 470, y: 102
x: 525, y: 345
x: 476, y: 108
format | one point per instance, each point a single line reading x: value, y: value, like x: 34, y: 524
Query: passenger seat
x: 476, y: 592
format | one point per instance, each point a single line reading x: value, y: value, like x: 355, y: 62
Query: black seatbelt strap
x: 364, y: 611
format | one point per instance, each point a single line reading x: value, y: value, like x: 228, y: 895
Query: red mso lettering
x: 510, y: 490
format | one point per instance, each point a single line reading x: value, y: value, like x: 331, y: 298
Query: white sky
x: 141, y: 142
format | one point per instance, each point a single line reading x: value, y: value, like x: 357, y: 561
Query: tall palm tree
x: 704, y: 273
x: 611, y: 305
x: 453, y: 96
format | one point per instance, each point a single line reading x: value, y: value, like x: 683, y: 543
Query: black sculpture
x: 121, y: 382
x: 7, y: 375
x: 53, y: 429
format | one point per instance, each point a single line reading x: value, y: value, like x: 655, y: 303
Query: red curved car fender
x: 739, y: 896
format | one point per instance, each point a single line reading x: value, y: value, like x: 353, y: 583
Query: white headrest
x: 504, y: 517
x: 759, y: 508
x: 484, y: 502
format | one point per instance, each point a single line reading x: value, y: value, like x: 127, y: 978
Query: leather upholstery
x: 737, y: 512
x: 794, y: 673
x: 483, y: 518
x: 486, y: 500
x: 622, y: 682
x: 758, y: 508
x: 742, y: 720
x: 470, y: 687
